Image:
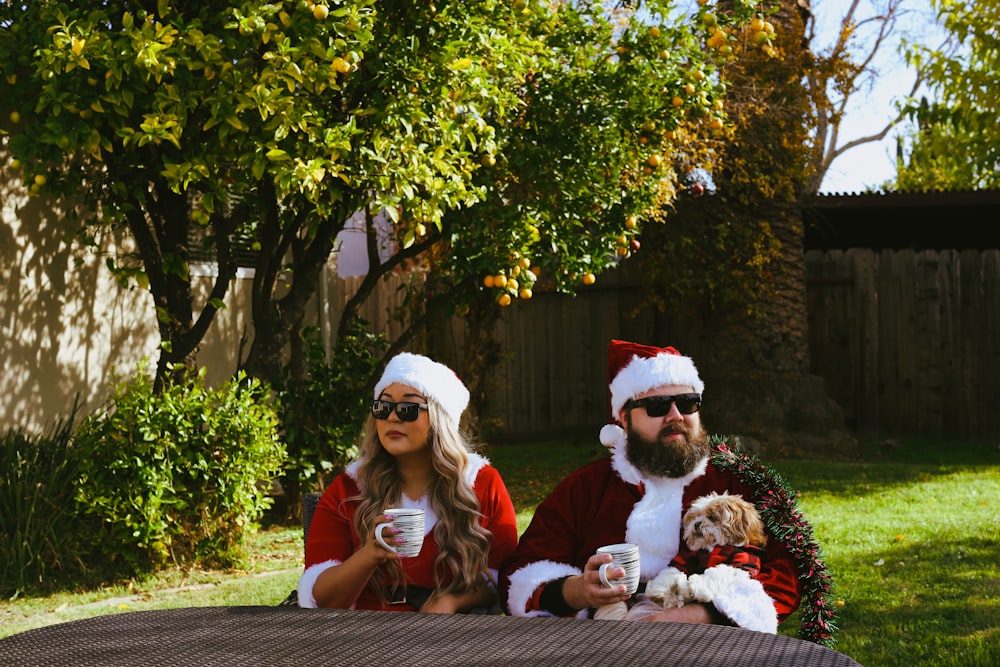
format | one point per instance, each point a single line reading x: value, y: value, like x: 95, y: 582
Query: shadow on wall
x: 64, y: 322
x: 67, y: 326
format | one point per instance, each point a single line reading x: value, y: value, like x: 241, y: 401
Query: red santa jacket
x: 333, y: 536
x: 595, y: 506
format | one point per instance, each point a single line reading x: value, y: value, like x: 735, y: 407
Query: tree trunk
x: 753, y: 350
x: 758, y: 368
x: 759, y: 384
x: 480, y: 355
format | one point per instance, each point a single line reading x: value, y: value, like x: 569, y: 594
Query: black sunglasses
x: 407, y: 411
x: 659, y: 406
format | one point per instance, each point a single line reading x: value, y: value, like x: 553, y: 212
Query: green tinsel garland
x: 778, y: 509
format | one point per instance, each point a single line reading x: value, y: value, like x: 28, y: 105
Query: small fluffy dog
x: 718, y: 529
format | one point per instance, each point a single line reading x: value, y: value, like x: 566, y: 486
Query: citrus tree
x: 488, y: 131
x: 953, y: 143
x: 268, y: 122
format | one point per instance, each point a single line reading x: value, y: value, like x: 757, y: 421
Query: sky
x: 870, y: 165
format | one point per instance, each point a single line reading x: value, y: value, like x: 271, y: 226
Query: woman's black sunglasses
x: 659, y: 406
x: 407, y: 411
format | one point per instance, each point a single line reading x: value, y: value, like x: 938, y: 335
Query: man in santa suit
x: 659, y: 465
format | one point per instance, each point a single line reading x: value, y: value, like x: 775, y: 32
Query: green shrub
x: 36, y: 505
x: 178, y: 477
x: 322, y: 419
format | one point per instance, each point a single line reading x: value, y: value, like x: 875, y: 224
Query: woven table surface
x: 289, y: 636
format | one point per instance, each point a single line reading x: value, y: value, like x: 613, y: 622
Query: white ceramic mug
x: 410, y: 537
x: 625, y: 556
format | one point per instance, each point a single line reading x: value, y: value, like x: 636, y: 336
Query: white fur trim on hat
x: 645, y: 373
x: 435, y: 380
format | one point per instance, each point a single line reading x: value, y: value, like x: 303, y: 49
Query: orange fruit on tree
x: 589, y: 279
x: 504, y: 299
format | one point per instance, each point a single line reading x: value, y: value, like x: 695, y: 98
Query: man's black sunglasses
x: 658, y: 406
x: 407, y: 411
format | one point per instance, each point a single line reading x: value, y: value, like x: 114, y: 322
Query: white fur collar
x: 655, y: 522
x: 476, y: 463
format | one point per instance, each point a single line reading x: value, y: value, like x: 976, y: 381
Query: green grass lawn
x: 909, y: 533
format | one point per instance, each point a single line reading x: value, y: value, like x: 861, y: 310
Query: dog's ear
x: 748, y: 517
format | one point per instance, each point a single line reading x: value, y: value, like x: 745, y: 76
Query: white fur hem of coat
x: 738, y: 597
x: 308, y: 580
x: 526, y: 581
x: 476, y: 463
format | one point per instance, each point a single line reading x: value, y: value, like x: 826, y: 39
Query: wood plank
x: 865, y: 342
x: 952, y: 418
x: 926, y: 340
x: 988, y: 335
x: 973, y: 319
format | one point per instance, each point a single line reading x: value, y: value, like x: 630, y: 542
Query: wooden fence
x: 907, y: 342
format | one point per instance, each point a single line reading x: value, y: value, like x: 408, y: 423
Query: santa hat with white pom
x: 434, y: 379
x: 633, y: 369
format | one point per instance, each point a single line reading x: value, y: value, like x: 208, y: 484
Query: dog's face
x: 715, y: 520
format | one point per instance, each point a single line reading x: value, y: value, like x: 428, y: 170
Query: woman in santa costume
x: 659, y: 465
x: 412, y: 455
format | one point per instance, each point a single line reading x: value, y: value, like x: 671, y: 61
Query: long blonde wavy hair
x: 463, y: 544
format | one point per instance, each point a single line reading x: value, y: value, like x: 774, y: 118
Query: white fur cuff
x: 308, y: 580
x: 526, y: 581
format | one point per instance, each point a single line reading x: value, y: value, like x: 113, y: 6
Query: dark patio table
x: 289, y: 636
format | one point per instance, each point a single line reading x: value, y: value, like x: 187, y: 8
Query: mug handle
x: 603, y: 574
x: 381, y: 540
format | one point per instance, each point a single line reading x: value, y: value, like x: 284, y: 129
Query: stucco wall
x: 65, y: 323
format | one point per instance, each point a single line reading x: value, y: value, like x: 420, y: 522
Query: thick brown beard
x: 659, y: 457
